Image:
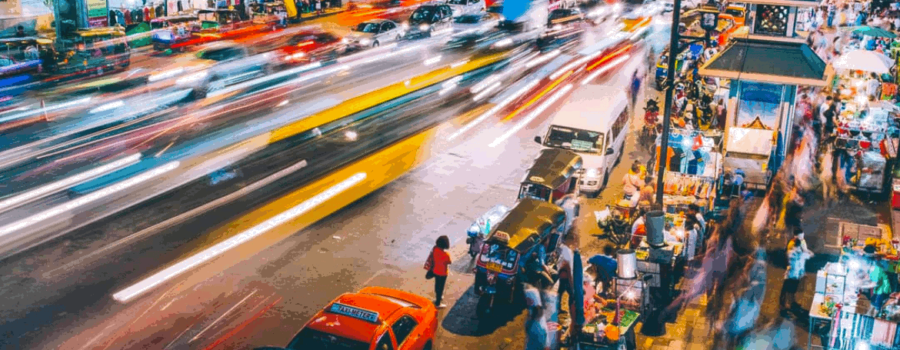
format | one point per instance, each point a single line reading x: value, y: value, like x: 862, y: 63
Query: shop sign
x: 98, y: 15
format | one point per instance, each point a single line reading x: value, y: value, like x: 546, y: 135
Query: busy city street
x: 449, y: 175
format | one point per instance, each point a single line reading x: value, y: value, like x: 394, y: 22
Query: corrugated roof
x: 768, y: 61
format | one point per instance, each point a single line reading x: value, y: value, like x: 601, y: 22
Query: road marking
x: 242, y: 325
x: 180, y: 218
x: 223, y: 316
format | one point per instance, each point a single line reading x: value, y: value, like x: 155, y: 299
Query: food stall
x: 842, y: 314
x: 610, y: 316
x: 866, y: 143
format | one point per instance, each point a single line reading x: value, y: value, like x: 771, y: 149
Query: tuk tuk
x: 681, y: 63
x: 172, y: 30
x: 22, y: 60
x: 502, y: 266
x: 96, y: 50
x: 552, y: 176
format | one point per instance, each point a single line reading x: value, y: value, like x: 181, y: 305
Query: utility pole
x: 662, y: 158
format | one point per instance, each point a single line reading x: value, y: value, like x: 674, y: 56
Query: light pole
x: 709, y: 19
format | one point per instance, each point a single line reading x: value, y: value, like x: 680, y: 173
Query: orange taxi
x: 374, y: 318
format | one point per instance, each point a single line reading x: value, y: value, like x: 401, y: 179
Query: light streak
x: 432, y: 60
x: 537, y: 97
x: 108, y: 106
x: 494, y: 110
x: 60, y: 209
x: 534, y: 114
x: 605, y: 68
x: 481, y: 95
x: 69, y: 181
x: 158, y: 278
x: 543, y: 59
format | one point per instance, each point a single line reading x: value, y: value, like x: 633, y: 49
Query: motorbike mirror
x: 610, y: 151
x: 537, y: 139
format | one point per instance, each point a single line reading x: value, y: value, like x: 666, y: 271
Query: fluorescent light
x: 69, y: 181
x: 534, y: 114
x: 496, y: 109
x: 172, y: 271
x: 57, y: 210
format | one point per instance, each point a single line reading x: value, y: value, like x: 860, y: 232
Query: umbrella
x: 864, y: 60
x: 874, y: 32
x: 578, y: 276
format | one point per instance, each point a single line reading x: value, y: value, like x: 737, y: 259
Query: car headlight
x: 424, y: 27
x: 365, y: 42
x: 191, y: 78
x: 592, y: 173
x: 345, y: 41
x: 405, y: 26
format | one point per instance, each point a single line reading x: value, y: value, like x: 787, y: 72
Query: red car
x: 375, y: 318
x: 312, y: 46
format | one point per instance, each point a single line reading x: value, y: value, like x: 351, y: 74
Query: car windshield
x: 313, y: 339
x: 423, y: 14
x: 222, y: 54
x: 559, y: 13
x: 735, y: 13
x: 457, y: 2
x: 468, y: 19
x: 574, y: 139
x: 367, y: 27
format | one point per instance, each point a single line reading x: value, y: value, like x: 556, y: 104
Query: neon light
x: 57, y: 210
x: 69, y: 181
x: 172, y: 271
x: 534, y: 114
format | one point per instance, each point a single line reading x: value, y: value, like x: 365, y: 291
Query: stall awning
x: 777, y: 62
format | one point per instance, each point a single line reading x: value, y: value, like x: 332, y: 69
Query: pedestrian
x: 797, y: 255
x: 604, y: 267
x: 872, y: 85
x: 536, y: 331
x: 882, y: 290
x: 694, y: 218
x: 633, y: 181
x: 570, y: 204
x: 635, y: 87
x: 438, y: 264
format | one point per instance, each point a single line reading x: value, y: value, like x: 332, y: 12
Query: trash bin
x: 655, y: 222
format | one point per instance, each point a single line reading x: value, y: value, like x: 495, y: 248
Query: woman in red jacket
x: 440, y: 267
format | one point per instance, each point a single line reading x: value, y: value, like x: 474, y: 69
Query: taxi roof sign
x: 355, y: 312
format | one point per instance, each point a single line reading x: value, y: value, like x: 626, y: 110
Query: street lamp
x: 709, y: 19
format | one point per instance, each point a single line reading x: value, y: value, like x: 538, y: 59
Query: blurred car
x: 374, y: 318
x: 311, y: 46
x: 561, y: 39
x: 373, y: 33
x: 474, y: 23
x: 217, y: 66
x: 738, y: 13
x: 475, y: 39
x: 466, y: 7
x: 565, y: 18
x: 428, y: 19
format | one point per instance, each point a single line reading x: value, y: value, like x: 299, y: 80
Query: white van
x: 594, y: 123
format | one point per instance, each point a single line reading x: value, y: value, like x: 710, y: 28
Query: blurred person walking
x: 438, y: 264
x: 797, y: 255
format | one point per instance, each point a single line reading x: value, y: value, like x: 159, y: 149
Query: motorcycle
x: 651, y: 112
x: 479, y: 229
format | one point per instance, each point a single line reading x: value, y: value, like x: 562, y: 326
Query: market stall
x: 866, y: 142
x: 856, y: 305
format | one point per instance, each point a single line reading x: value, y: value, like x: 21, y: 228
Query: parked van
x: 594, y: 123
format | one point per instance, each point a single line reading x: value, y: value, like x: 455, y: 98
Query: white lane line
x: 494, y: 110
x: 166, y: 274
x: 182, y: 217
x: 534, y: 114
x: 223, y: 316
x: 67, y: 182
x: 60, y: 209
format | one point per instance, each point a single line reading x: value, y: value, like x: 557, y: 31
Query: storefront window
x: 771, y: 20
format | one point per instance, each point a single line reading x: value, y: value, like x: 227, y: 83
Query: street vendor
x: 604, y: 266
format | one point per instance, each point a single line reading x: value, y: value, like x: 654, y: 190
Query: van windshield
x: 574, y: 139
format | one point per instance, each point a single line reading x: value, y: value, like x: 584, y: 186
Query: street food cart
x: 866, y: 146
x: 530, y: 226
x: 553, y: 175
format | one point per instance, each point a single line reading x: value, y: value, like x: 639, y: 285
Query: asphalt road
x: 59, y: 294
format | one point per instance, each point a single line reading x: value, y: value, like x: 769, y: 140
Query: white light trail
x: 481, y: 95
x: 108, y: 106
x: 69, y: 181
x: 484, y: 83
x: 158, y: 278
x: 543, y: 58
x: 57, y: 210
x: 460, y: 63
x: 432, y: 60
x: 45, y: 109
x: 534, y: 114
x: 496, y: 109
x: 604, y: 69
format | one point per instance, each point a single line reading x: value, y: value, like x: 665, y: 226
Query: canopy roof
x: 553, y: 167
x: 777, y: 62
x: 527, y: 223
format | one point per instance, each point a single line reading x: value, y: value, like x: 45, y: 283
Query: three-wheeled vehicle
x: 22, y: 61
x: 531, y: 226
x: 95, y: 51
x: 552, y: 175
x: 179, y: 30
